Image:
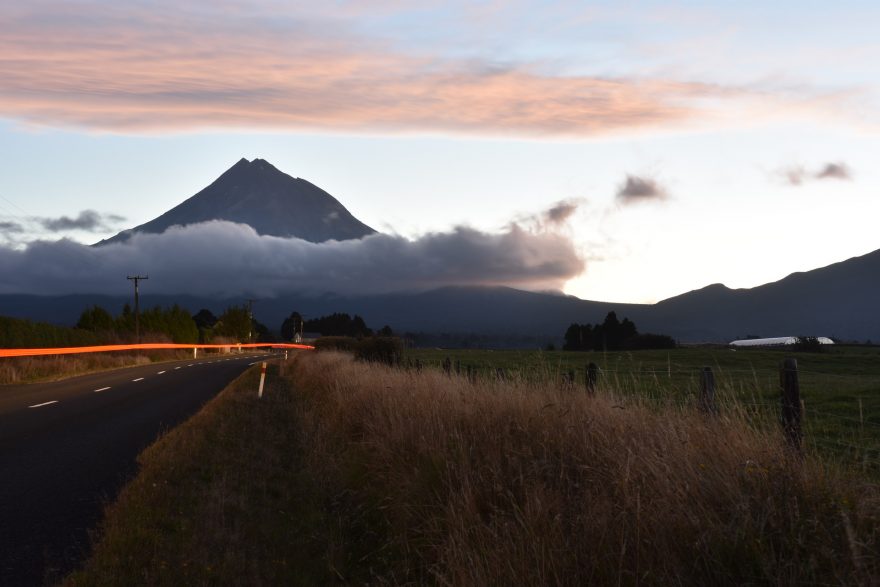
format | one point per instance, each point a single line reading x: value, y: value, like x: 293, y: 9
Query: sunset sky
x: 689, y: 143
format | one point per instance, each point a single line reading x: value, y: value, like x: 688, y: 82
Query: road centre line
x: 138, y: 379
x: 176, y: 368
x: 160, y: 372
x: 54, y: 401
x: 102, y: 389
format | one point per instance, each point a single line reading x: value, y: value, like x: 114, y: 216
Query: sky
x: 622, y: 152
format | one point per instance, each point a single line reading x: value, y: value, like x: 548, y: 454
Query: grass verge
x: 15, y: 370
x: 220, y: 500
x: 367, y: 474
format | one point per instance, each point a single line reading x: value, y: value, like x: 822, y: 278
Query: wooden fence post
x: 707, y: 391
x: 592, y: 378
x: 791, y: 403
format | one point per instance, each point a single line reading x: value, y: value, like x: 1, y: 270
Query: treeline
x: 336, y: 324
x: 97, y: 326
x: 18, y: 333
x: 157, y: 324
x: 613, y: 335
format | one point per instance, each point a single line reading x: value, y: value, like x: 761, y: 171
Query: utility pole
x: 137, y: 306
x: 250, y: 304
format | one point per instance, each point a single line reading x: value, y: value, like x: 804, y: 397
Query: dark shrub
x: 380, y: 349
x: 336, y: 343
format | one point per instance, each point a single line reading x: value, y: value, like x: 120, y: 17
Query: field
x: 840, y: 388
x: 353, y: 473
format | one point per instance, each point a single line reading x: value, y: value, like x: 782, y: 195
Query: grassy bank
x: 220, y: 500
x: 354, y: 473
x: 47, y: 368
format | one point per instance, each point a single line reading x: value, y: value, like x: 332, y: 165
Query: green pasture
x: 840, y: 388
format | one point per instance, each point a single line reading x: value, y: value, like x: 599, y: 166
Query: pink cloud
x: 127, y: 68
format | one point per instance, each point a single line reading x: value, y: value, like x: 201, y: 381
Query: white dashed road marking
x: 138, y: 379
x: 54, y: 401
x: 102, y: 389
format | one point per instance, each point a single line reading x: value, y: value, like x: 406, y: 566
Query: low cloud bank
x: 220, y: 258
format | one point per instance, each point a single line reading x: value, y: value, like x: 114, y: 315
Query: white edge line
x: 138, y: 379
x: 102, y: 389
x: 54, y: 401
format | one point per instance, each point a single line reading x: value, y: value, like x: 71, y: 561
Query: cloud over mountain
x: 220, y: 258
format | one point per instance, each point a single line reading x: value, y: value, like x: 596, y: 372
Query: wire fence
x: 839, y: 414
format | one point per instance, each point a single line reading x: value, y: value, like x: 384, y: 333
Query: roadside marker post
x: 195, y: 352
x: 262, y: 379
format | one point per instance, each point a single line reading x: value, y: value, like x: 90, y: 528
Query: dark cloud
x: 11, y: 228
x: 561, y: 212
x: 88, y: 220
x: 640, y: 189
x: 834, y: 171
x: 221, y: 258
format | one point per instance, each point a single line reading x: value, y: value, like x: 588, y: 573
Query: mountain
x: 270, y: 201
x: 840, y: 300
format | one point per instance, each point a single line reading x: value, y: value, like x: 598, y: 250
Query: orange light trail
x: 144, y: 347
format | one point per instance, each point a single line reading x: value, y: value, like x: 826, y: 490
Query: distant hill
x: 270, y: 201
x: 840, y: 300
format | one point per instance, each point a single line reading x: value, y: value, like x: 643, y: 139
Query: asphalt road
x: 68, y: 447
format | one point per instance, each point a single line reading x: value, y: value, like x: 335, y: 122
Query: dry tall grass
x: 28, y: 369
x: 438, y: 480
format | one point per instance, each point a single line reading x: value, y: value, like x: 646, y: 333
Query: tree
x: 125, y: 321
x: 234, y: 323
x: 339, y: 325
x: 205, y: 319
x: 612, y: 335
x: 291, y: 325
x: 96, y: 319
x: 573, y: 339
